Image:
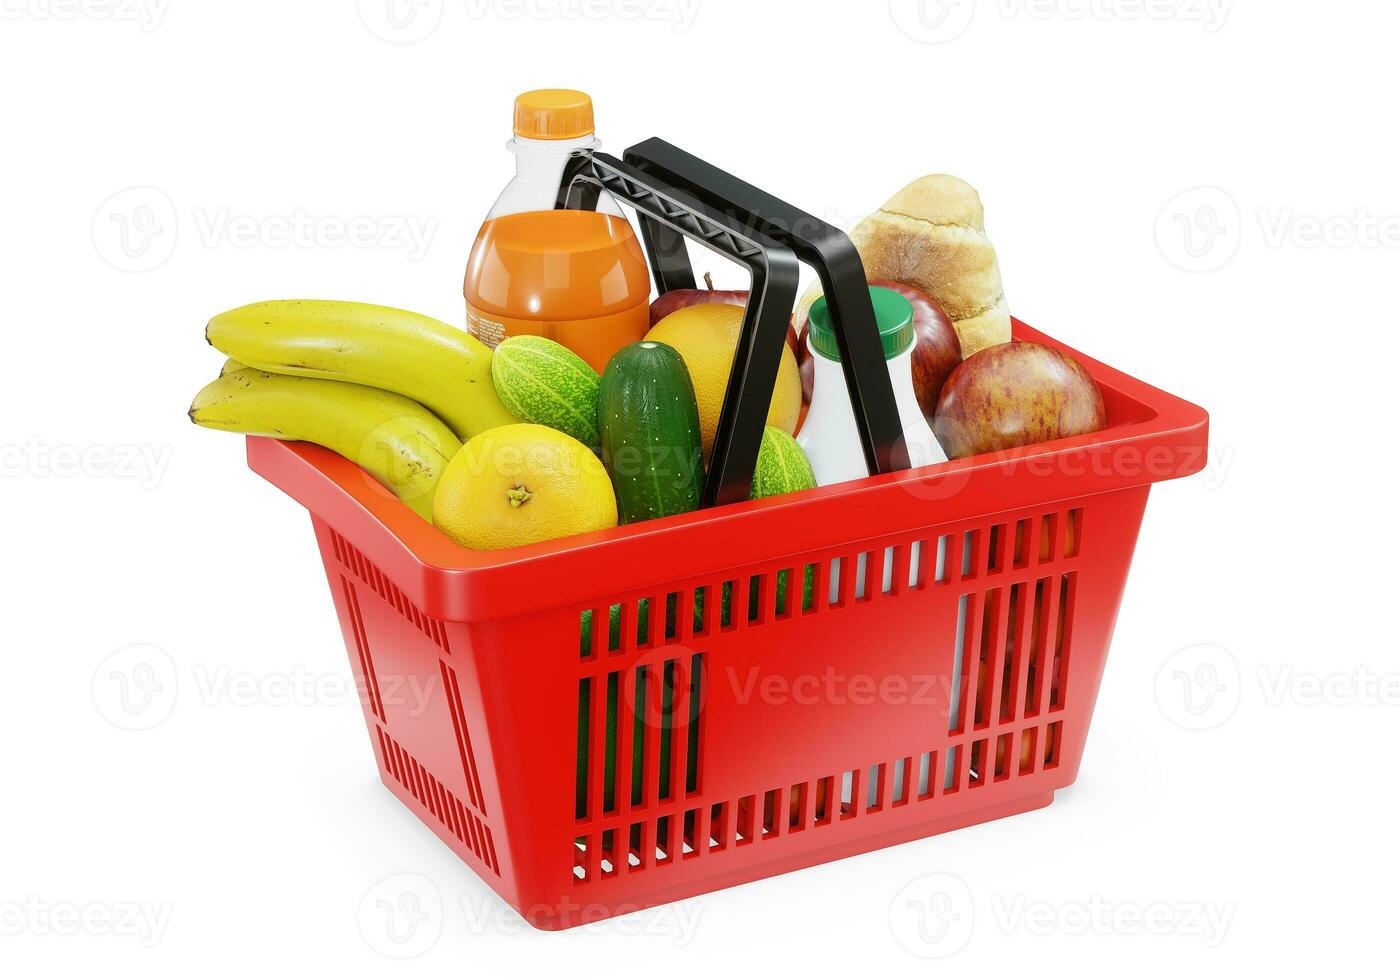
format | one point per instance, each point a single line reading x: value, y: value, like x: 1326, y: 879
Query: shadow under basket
x: 616, y: 720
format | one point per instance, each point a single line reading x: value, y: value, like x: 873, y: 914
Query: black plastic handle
x: 714, y: 209
x: 815, y: 242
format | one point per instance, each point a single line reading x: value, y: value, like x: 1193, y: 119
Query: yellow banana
x: 446, y: 369
x: 400, y: 443
x: 231, y: 366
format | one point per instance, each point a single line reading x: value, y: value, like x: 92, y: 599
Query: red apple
x: 678, y: 299
x: 804, y: 363
x: 1016, y: 394
x: 936, y: 348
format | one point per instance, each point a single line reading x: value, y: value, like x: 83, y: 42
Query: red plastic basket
x: 794, y: 736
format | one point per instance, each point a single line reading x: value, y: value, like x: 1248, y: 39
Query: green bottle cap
x: 893, y: 315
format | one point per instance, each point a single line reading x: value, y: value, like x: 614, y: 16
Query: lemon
x: 707, y: 335
x: 520, y: 484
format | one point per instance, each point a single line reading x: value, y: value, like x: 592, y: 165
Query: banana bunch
x: 399, y: 442
x: 446, y: 370
x: 396, y: 392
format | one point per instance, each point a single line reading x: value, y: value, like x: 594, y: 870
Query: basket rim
x: 455, y: 583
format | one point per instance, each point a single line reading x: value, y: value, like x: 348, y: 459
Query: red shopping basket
x: 647, y: 713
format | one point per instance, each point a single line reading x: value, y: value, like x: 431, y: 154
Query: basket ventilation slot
x: 424, y: 787
x: 464, y: 742
x: 772, y: 597
x: 357, y: 627
x: 639, y: 735
x: 1011, y: 649
x: 368, y: 573
x: 687, y: 833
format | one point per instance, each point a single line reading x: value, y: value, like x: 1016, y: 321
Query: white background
x: 1249, y: 819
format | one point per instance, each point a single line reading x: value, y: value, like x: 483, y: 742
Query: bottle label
x: 595, y: 339
x: 485, y: 329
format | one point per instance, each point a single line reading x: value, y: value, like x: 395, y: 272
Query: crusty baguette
x: 930, y: 235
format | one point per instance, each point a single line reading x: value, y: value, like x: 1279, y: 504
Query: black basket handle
x: 687, y: 198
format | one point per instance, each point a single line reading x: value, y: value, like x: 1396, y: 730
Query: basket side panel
x: 710, y: 731
x: 525, y: 674
x: 421, y: 705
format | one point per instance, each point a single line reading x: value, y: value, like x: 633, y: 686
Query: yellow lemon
x: 519, y: 484
x: 707, y: 335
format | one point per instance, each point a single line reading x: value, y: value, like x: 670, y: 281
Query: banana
x: 445, y: 369
x: 400, y: 443
x: 231, y: 366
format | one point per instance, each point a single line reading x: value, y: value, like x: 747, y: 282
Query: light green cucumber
x: 782, y: 466
x: 543, y: 382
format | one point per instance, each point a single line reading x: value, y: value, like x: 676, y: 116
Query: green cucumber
x: 650, y: 429
x: 545, y: 383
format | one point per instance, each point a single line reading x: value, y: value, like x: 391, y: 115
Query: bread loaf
x: 930, y: 235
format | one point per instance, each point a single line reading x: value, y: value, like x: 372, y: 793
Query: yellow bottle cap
x: 553, y: 114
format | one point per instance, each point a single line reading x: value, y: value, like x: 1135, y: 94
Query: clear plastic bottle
x: 576, y: 277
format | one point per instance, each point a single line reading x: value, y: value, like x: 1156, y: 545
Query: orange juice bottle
x: 576, y: 277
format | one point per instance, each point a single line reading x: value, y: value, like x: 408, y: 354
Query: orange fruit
x: 519, y: 484
x: 706, y: 336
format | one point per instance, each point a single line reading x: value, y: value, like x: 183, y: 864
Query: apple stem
x: 709, y: 283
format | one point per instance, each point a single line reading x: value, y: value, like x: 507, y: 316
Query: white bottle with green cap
x: 829, y: 436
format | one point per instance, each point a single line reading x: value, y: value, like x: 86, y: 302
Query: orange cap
x: 553, y: 114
